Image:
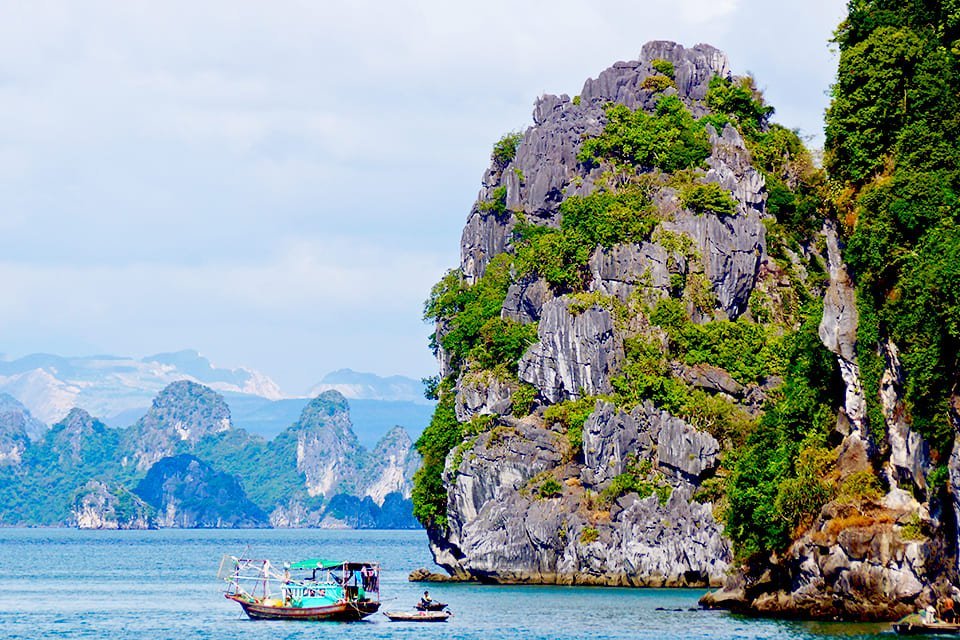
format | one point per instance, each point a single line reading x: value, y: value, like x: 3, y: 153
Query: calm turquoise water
x: 162, y: 584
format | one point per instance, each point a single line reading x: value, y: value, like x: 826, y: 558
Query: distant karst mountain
x: 119, y: 390
x: 185, y: 464
x: 369, y: 386
x: 51, y: 385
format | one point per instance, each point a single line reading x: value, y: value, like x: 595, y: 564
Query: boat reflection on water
x: 312, y: 589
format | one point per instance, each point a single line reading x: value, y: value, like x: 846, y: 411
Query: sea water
x: 65, y: 583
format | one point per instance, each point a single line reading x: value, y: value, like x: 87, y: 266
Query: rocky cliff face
x: 625, y: 505
x: 327, y: 448
x: 522, y: 511
x: 182, y: 414
x: 335, y: 466
x: 97, y: 506
x: 17, y: 428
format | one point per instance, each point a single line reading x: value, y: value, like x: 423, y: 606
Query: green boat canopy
x: 317, y: 563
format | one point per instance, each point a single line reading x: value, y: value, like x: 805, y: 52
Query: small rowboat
x: 915, y: 625
x: 418, y: 616
x: 432, y: 606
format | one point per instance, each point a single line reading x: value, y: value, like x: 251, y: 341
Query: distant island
x: 185, y: 464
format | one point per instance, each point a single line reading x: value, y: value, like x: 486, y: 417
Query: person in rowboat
x: 426, y: 600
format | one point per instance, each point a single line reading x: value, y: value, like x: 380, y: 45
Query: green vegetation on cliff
x: 605, y: 217
x: 670, y: 140
x: 892, y: 150
x: 644, y: 155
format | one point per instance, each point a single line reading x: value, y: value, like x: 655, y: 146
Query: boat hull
x: 912, y: 627
x: 418, y: 616
x: 349, y: 611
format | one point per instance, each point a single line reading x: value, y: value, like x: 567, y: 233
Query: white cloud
x: 161, y: 160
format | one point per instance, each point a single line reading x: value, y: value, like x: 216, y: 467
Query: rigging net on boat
x: 318, y: 589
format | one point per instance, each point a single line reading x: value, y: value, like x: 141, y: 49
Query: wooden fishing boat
x: 917, y: 625
x: 431, y: 606
x: 418, y: 616
x: 313, y: 589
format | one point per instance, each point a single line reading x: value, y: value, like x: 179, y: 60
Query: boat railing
x: 257, y: 579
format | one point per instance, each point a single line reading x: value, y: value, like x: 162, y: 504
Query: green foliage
x: 602, y: 218
x: 502, y: 341
x: 41, y: 490
x: 740, y: 101
x: 637, y: 479
x: 442, y: 434
x: 268, y: 470
x: 431, y: 387
x: 892, y: 146
x: 670, y: 139
x: 772, y: 488
x: 749, y: 351
x: 588, y: 535
x: 664, y: 67
x: 701, y: 198
x: 860, y: 487
x: 890, y: 79
x: 549, y: 488
x: 646, y: 375
x: 912, y: 529
x: 523, y: 399
x: 581, y: 301
x: 505, y: 150
x: 938, y: 477
x: 497, y: 205
x: 571, y: 415
x: 474, y: 329
x: 657, y: 83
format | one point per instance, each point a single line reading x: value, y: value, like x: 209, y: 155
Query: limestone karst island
x: 679, y: 351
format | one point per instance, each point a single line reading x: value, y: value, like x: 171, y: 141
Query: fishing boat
x: 312, y: 589
x: 418, y: 616
x: 916, y: 624
x: 430, y: 606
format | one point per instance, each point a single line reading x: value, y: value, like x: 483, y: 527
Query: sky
x: 278, y: 184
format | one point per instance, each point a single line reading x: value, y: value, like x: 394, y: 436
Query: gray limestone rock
x: 545, y: 169
x: 98, y: 506
x: 327, y: 448
x: 708, y: 377
x: 683, y: 449
x: 867, y: 570
x: 609, y: 436
x: 838, y: 331
x: 676, y: 448
x: 909, y: 452
x: 525, y: 300
x: 577, y: 353
x: 730, y: 166
x: 501, y: 531
x: 482, y: 393
x: 624, y: 268
x: 484, y: 236
x: 181, y: 415
x: 731, y: 248
x: 16, y: 417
